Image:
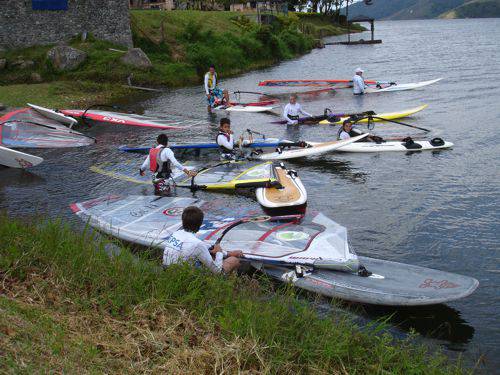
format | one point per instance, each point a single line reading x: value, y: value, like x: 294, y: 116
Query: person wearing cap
x: 358, y: 83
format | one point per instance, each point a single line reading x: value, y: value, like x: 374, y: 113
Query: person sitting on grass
x: 183, y: 245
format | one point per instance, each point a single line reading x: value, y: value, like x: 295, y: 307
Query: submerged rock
x: 65, y: 57
x: 137, y: 58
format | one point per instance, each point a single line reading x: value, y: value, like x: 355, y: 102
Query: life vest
x: 341, y: 130
x: 162, y: 170
x: 223, y: 149
x: 211, y: 79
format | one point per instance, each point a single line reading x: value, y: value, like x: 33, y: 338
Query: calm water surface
x: 434, y: 209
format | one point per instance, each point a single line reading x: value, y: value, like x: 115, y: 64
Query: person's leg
x: 230, y: 264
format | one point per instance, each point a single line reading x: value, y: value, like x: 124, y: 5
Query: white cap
x: 358, y: 70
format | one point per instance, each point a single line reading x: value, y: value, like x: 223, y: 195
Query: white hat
x: 358, y: 70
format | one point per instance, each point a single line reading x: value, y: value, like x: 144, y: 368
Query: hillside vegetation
x: 424, y: 9
x: 180, y: 44
x: 475, y: 9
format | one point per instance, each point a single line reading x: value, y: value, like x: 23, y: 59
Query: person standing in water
x: 293, y: 110
x: 160, y: 161
x: 358, y: 83
x: 211, y: 90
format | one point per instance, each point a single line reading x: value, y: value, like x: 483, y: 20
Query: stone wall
x: 21, y: 26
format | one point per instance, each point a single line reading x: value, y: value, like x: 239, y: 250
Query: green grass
x: 180, y: 44
x: 77, y: 309
x: 64, y: 94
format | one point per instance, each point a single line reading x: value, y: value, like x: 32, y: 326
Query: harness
x: 225, y: 152
x: 211, y: 80
x: 162, y: 170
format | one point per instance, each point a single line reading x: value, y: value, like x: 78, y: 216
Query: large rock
x: 136, y: 58
x: 66, y: 58
x: 35, y: 77
x: 22, y: 64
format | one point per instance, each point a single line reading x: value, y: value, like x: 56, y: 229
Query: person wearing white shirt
x: 347, y: 131
x: 358, y: 83
x: 160, y: 160
x: 293, y: 110
x: 184, y: 246
x: 225, y: 140
x: 212, y: 92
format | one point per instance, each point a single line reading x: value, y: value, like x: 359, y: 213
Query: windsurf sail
x: 224, y: 175
x: 339, y: 83
x: 235, y: 174
x: 26, y: 128
x: 147, y: 220
x: 172, y: 122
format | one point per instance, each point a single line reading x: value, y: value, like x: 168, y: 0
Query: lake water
x: 433, y: 209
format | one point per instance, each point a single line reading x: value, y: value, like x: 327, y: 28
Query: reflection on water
x: 431, y: 209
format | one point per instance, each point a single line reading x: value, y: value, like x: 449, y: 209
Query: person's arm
x: 222, y: 141
x: 361, y: 84
x: 144, y: 166
x: 206, y: 85
x: 304, y: 112
x: 203, y: 255
x: 168, y: 154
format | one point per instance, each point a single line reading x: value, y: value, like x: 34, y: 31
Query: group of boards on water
x: 287, y: 243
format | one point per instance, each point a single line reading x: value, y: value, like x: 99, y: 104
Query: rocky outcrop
x: 137, y: 58
x: 66, y: 58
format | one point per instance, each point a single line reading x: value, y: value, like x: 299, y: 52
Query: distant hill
x: 475, y: 9
x: 422, y: 9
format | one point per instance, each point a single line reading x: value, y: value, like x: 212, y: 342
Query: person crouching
x: 183, y: 245
x: 160, y: 161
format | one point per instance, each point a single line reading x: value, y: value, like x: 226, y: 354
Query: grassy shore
x: 181, y: 46
x: 65, y: 306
